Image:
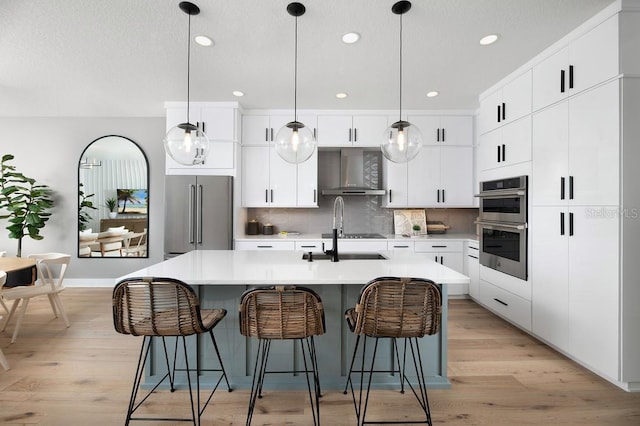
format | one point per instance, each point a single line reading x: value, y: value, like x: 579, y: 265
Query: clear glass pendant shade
x: 402, y: 142
x: 187, y: 144
x: 295, y: 142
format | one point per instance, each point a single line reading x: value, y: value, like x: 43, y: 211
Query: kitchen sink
x: 345, y: 256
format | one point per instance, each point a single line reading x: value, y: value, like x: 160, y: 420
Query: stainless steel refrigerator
x: 198, y: 214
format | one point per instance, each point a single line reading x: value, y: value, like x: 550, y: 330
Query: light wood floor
x: 500, y: 376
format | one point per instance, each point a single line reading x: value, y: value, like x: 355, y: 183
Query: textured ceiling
x: 127, y: 57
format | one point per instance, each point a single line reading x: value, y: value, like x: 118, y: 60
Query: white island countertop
x: 240, y: 267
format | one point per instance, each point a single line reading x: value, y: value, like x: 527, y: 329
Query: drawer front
x: 314, y: 246
x: 438, y: 246
x: 400, y: 245
x: 508, y: 305
x: 264, y: 245
x: 351, y: 246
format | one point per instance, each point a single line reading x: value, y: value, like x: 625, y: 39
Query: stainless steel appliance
x: 503, y: 225
x: 198, y: 214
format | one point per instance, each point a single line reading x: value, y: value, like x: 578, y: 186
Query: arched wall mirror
x: 113, y: 199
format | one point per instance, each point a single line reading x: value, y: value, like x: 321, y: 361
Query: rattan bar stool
x: 165, y: 307
x: 393, y: 308
x: 283, y: 313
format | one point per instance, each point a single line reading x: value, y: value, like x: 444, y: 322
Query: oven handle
x: 494, y: 225
x: 501, y: 193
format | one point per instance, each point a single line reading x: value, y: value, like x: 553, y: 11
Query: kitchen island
x: 221, y: 276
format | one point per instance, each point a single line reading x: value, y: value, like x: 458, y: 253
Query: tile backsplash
x: 361, y: 213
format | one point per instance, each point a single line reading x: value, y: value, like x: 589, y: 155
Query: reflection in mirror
x: 113, y: 199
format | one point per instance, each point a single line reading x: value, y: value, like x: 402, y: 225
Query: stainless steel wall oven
x: 503, y: 225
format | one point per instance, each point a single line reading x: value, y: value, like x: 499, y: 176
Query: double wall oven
x: 503, y: 225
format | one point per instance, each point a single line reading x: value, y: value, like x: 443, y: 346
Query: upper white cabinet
x: 351, y: 130
x: 506, y: 145
x: 262, y: 129
x: 589, y: 60
x: 219, y: 122
x: 505, y: 105
x: 437, y: 177
x: 444, y: 129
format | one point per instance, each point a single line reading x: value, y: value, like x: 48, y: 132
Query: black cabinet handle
x: 561, y: 81
x: 355, y: 135
x: 272, y: 195
x: 437, y: 135
x: 473, y: 257
x: 400, y: 246
x: 314, y: 195
x: 203, y: 128
x: 504, y: 153
x: 499, y: 113
x: 305, y: 246
x: 443, y: 138
x: 570, y: 76
x: 438, y: 246
x: 561, y: 223
x: 562, y: 188
x: 265, y: 246
x: 500, y: 302
x: 570, y: 224
x: 349, y: 135
x: 438, y: 195
x: 271, y: 134
x: 498, y: 153
x: 443, y: 196
x: 504, y: 111
x: 390, y: 195
x: 571, y: 187
x: 266, y: 134
x: 266, y: 195
x: 315, y: 134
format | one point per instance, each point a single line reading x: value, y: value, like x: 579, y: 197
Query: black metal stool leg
x: 353, y: 358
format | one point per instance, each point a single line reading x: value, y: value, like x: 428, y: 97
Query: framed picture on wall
x: 133, y: 201
x: 405, y: 220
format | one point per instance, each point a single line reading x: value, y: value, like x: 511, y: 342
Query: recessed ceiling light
x: 238, y: 93
x: 203, y: 40
x: 489, y: 39
x: 341, y: 95
x: 350, y: 38
x: 432, y: 94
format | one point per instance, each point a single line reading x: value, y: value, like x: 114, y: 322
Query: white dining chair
x: 3, y: 359
x: 51, y: 270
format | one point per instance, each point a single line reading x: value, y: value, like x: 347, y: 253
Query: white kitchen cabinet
x: 506, y: 304
x: 314, y: 246
x: 472, y: 268
x: 261, y: 129
x: 575, y: 271
x: 307, y: 182
x: 356, y: 246
x: 444, y: 129
x: 506, y: 104
x: 437, y: 177
x: 264, y: 245
x: 506, y: 145
x: 576, y: 150
x: 585, y: 62
x: 445, y: 252
x: 218, y: 121
x: 351, y: 130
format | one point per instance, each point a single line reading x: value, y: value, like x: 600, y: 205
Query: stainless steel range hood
x: 352, y: 175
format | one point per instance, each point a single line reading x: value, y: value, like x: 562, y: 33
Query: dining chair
x: 160, y: 308
x: 283, y: 313
x: 393, y: 308
x: 51, y: 269
x: 139, y: 247
x: 3, y: 254
x: 3, y: 359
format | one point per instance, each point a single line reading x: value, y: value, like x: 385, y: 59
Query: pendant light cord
x: 188, y: 66
x: 400, y: 109
x: 295, y: 77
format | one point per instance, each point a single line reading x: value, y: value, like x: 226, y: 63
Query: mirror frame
x: 146, y: 160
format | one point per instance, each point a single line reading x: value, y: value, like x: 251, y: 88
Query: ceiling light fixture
x: 432, y: 94
x: 489, y: 39
x: 350, y: 38
x: 294, y: 141
x: 203, y: 40
x: 402, y: 139
x: 238, y: 93
x: 186, y: 143
x: 341, y: 95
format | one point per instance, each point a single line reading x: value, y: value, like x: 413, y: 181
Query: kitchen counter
x: 387, y: 237
x: 221, y: 276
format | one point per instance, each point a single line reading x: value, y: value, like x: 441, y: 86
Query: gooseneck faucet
x: 338, y: 227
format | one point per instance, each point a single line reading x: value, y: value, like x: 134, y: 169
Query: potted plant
x: 23, y: 202
x: 416, y: 230
x: 112, y: 205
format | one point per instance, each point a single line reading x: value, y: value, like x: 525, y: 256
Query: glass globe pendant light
x: 294, y: 141
x: 402, y: 140
x: 186, y: 143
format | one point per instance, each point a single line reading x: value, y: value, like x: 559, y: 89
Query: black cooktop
x: 356, y: 235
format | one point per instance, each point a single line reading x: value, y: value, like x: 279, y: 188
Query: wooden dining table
x: 20, y: 270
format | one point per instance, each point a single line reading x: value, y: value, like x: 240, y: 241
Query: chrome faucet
x: 338, y: 228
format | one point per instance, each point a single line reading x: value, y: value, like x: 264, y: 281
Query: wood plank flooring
x: 500, y: 376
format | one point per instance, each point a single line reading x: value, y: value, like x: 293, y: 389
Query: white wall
x: 48, y: 150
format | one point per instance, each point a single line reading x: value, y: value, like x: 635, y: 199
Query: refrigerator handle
x: 192, y: 193
x: 199, y: 214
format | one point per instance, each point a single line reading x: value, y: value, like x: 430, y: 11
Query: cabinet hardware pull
x: 570, y: 76
x: 504, y: 111
x: 315, y: 134
x: 272, y: 195
x: 561, y: 223
x: 400, y: 246
x: 203, y: 128
x: 266, y: 134
x: 443, y: 138
x: 437, y: 135
x: 498, y: 153
x: 500, y: 302
x: 498, y: 113
x: 265, y: 246
x: 355, y: 134
x: 561, y: 81
x: 438, y: 195
x: 199, y: 212
x: 192, y: 200
x: 443, y: 196
x: 272, y: 134
x: 314, y: 195
x: 504, y: 153
x: 438, y: 246
x: 562, y: 181
x: 349, y: 135
x: 473, y: 248
x: 471, y: 256
x: 312, y: 246
x: 266, y: 195
x: 390, y: 196
x: 570, y: 224
x: 571, y: 187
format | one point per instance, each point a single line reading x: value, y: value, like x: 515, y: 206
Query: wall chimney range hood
x: 352, y: 175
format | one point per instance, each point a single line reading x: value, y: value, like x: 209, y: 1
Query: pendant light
x: 186, y: 143
x: 294, y: 141
x: 402, y: 140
